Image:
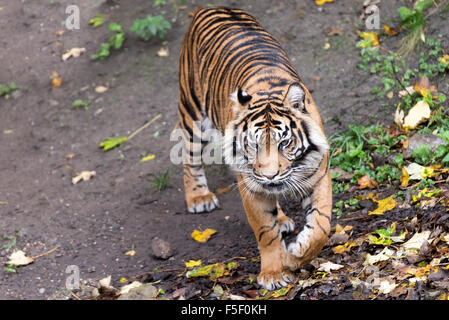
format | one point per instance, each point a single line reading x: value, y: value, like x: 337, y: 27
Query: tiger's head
x: 274, y: 141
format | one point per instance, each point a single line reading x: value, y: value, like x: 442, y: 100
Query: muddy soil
x: 45, y: 141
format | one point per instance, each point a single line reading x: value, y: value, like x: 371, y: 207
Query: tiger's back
x: 234, y: 75
x: 228, y: 48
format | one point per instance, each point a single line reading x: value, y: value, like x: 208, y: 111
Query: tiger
x: 235, y: 77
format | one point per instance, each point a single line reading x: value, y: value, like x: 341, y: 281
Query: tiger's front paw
x: 275, y: 279
x: 202, y: 203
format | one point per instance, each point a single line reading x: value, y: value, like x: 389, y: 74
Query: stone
x: 417, y: 140
x: 161, y: 249
x: 143, y: 292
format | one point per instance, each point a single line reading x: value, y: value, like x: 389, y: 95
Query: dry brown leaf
x: 423, y: 86
x: 399, y: 116
x: 101, y: 89
x: 417, y: 114
x: 18, y: 258
x: 333, y: 31
x: 74, y: 52
x: 366, y: 182
x: 56, y: 80
x: 163, y: 52
x: 84, y: 175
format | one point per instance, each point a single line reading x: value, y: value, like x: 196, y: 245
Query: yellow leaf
x: 340, y: 229
x: 202, y: 236
x: 123, y: 280
x: 321, y: 2
x: 384, y: 205
x: 423, y: 87
x: 130, y: 253
x: 389, y: 30
x: 147, y: 158
x: 370, y: 38
x: 193, y: 263
x: 56, y: 80
x: 339, y: 249
x: 404, y: 178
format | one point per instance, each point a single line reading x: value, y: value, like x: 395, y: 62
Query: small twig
x: 45, y: 253
x: 144, y: 126
x: 76, y: 297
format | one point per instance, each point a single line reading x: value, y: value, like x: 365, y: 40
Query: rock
x: 161, y: 249
x: 143, y: 292
x: 341, y: 175
x: 338, y: 238
x: 417, y: 140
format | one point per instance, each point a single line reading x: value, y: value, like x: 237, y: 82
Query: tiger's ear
x: 241, y: 97
x: 295, y: 97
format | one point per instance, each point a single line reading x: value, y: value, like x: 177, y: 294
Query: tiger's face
x: 275, y: 145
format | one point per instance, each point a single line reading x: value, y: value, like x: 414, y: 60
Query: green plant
x: 160, y: 182
x: 413, y: 20
x: 151, y: 27
x: 114, y: 42
x: 5, y: 90
x: 78, y: 103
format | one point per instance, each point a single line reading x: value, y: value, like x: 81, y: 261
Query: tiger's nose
x: 270, y: 176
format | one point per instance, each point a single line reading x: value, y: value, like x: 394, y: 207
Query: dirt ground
x: 94, y: 223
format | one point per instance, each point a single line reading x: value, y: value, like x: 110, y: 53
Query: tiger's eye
x: 284, y: 143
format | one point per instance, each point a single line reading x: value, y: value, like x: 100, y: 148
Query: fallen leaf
x: 366, y: 182
x: 101, y: 89
x: 212, y: 271
x: 344, y: 247
x: 408, y: 91
x: 390, y: 95
x: 399, y: 116
x: 370, y: 39
x: 390, y: 30
x: 56, y: 80
x: 148, y: 158
x: 98, y: 20
x: 74, y: 52
x: 193, y: 263
x: 386, y: 286
x: 131, y: 253
x: 414, y: 244
x: 128, y: 287
x: 321, y: 2
x: 340, y: 229
x: 112, y: 142
x: 384, y: 255
x: 414, y: 171
x: 18, y: 258
x: 384, y: 205
x: 333, y: 31
x: 417, y: 114
x: 224, y: 190
x: 423, y: 87
x: 84, y: 175
x: 329, y: 266
x: 163, y: 52
x: 69, y: 156
x: 444, y: 60
x: 59, y: 33
x: 202, y: 236
x: 105, y: 282
x: 405, y: 177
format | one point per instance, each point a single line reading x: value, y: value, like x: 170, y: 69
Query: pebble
x: 417, y: 140
x: 161, y: 249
